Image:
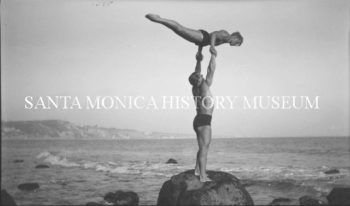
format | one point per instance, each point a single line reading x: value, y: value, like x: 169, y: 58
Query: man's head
x: 236, y: 39
x: 195, y: 79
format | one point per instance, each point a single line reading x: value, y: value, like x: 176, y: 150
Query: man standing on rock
x: 204, y: 106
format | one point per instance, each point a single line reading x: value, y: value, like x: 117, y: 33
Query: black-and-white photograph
x: 174, y: 102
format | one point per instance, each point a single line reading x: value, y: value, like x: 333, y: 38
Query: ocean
x: 83, y: 171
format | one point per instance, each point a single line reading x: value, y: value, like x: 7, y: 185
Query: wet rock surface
x: 7, y: 199
x: 339, y: 196
x: 171, y: 161
x: 28, y: 186
x: 186, y: 189
x: 122, y: 198
x: 307, y: 200
x: 41, y: 166
x: 332, y: 171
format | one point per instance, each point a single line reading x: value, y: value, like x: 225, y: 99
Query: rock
x: 307, y: 200
x: 93, y: 204
x: 28, y: 186
x: 109, y: 197
x: 280, y: 201
x: 339, y: 196
x: 18, y: 161
x: 122, y: 198
x: 42, y: 166
x: 332, y: 171
x: 171, y: 161
x: 186, y: 189
x: 7, y: 199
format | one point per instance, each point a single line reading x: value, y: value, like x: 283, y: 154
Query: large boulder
x: 307, y: 200
x: 28, y: 186
x: 171, y: 161
x: 186, y: 189
x: 94, y: 204
x: 282, y: 201
x: 42, y: 166
x: 122, y: 198
x: 331, y: 171
x: 7, y: 199
x: 339, y: 196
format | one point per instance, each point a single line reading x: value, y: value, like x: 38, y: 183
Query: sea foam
x: 144, y: 168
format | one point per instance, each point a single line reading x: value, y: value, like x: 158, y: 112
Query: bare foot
x: 153, y: 17
x: 196, y: 172
x: 204, y: 179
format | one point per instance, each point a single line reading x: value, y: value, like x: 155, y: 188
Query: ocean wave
x: 272, y: 176
x: 56, y: 159
x: 43, y: 155
x: 143, y: 168
x: 275, y: 184
x: 275, y: 172
x: 319, y: 187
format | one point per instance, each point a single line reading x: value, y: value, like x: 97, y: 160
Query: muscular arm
x: 199, y: 58
x: 213, y: 37
x: 217, y: 38
x: 211, y: 69
x: 198, y: 67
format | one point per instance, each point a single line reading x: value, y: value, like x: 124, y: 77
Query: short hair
x: 238, y: 35
x: 192, y: 78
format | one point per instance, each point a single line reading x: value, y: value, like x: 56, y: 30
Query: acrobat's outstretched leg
x: 194, y: 36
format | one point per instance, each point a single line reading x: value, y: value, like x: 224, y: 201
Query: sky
x: 108, y: 48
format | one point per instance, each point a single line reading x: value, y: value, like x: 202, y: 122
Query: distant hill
x: 58, y: 129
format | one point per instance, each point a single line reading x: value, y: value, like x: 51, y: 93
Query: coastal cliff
x: 58, y: 129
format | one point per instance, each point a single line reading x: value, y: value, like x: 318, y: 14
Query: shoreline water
x: 87, y: 170
x: 188, y: 137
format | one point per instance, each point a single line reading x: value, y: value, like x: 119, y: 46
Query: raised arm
x: 211, y: 68
x: 218, y: 38
x: 199, y: 58
x: 213, y: 37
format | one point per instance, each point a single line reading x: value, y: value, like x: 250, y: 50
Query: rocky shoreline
x: 186, y: 189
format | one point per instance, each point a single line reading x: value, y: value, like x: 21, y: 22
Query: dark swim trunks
x: 201, y: 120
x: 206, y: 38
